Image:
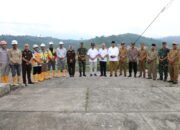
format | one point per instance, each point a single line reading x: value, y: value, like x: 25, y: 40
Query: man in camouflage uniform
x: 173, y: 59
x: 163, y: 62
x: 81, y: 52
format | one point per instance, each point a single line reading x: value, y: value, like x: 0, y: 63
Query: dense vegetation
x: 127, y: 38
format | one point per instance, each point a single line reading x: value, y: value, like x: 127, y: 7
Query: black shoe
x: 110, y: 75
x: 115, y: 75
x: 170, y: 81
x: 84, y: 75
x: 91, y: 75
x: 174, y: 82
x: 105, y: 75
x: 25, y: 84
x: 80, y: 75
x: 160, y: 79
x: 149, y: 78
x: 30, y: 83
x: 95, y: 75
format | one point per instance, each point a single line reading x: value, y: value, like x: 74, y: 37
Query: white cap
x: 51, y: 43
x: 42, y: 45
x: 61, y: 43
x: 14, y: 42
x: 174, y: 43
x: 35, y: 46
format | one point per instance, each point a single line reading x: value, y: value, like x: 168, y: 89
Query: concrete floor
x: 92, y: 103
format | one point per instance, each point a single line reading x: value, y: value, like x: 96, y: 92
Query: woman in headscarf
x: 71, y: 60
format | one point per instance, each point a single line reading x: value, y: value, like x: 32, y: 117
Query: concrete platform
x: 4, y: 89
x: 92, y: 103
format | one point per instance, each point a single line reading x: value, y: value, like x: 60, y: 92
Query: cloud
x: 87, y: 18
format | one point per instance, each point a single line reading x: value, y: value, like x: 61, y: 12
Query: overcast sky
x: 76, y: 19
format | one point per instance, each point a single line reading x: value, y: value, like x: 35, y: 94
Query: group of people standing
x: 46, y: 62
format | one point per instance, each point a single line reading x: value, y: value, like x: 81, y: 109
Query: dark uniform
x: 163, y: 63
x: 26, y: 66
x: 71, y: 61
x: 82, y: 60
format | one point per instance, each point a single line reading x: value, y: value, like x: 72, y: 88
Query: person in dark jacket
x: 26, y: 64
x: 71, y: 61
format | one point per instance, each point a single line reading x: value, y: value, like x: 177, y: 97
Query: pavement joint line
x: 95, y: 87
x: 87, y: 100
x: 91, y: 112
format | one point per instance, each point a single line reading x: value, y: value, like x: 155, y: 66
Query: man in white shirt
x: 61, y: 56
x: 113, y: 53
x: 93, y: 54
x: 103, y: 54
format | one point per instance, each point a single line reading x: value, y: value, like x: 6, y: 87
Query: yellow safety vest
x: 44, y: 57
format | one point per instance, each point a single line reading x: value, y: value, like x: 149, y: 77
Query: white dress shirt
x: 92, y: 53
x: 113, y: 51
x: 103, y: 53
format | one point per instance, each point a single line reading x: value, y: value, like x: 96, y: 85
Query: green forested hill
x: 127, y: 38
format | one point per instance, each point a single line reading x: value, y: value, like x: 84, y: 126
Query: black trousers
x: 133, y: 66
x: 26, y: 71
x: 103, y: 68
x: 163, y: 71
x: 37, y: 70
x: 71, y: 69
x: 82, y: 67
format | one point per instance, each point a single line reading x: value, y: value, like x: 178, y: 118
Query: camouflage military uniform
x: 82, y: 60
x: 163, y: 63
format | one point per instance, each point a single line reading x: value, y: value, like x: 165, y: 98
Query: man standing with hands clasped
x: 26, y: 64
x: 61, y: 56
x: 93, y: 53
x: 163, y: 62
x: 4, y: 62
x: 103, y: 53
x: 81, y: 52
x: 173, y: 58
x: 142, y: 61
x: 71, y: 61
x: 133, y: 57
x: 123, y: 59
x: 152, y: 62
x: 15, y: 57
x: 113, y: 53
